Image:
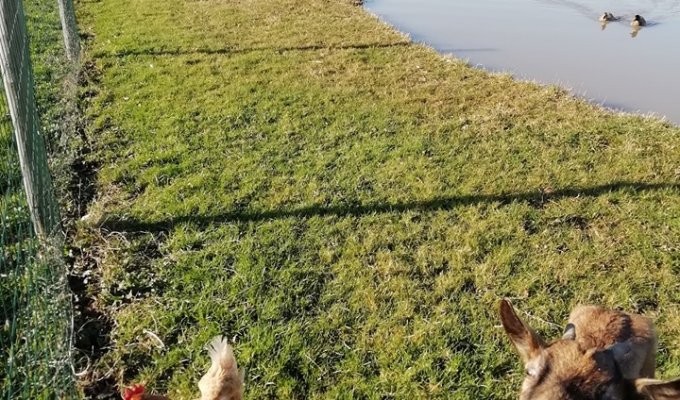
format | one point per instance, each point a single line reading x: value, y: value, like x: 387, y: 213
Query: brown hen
x: 223, y: 381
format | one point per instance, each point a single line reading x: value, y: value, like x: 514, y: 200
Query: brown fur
x: 601, y: 357
x: 600, y: 328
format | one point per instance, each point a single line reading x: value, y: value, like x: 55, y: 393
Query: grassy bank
x: 349, y: 206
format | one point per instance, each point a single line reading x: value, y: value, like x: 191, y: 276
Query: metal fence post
x: 70, y: 29
x: 17, y: 74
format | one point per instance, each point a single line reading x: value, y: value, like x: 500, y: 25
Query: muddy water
x: 559, y: 42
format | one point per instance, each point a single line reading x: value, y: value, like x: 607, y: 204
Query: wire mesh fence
x: 69, y: 29
x: 20, y: 98
x: 35, y: 303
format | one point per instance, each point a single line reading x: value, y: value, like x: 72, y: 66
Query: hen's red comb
x: 132, y: 391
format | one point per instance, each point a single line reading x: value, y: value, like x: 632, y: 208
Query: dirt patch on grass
x: 92, y: 325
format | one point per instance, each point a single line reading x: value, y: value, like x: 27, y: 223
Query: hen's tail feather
x: 221, y: 353
x: 223, y: 380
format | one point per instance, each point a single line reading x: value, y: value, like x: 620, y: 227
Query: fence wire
x: 69, y: 29
x: 35, y: 303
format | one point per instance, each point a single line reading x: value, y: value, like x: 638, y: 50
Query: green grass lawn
x: 349, y: 207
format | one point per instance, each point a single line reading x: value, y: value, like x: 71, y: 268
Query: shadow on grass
x: 237, y: 50
x: 536, y: 199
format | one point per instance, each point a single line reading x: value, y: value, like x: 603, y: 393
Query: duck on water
x: 608, y: 17
x: 638, y: 21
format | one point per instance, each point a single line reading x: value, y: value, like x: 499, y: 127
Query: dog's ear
x: 569, y: 332
x: 654, y: 389
x: 525, y: 340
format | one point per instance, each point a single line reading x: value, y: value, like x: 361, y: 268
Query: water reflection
x: 634, y: 31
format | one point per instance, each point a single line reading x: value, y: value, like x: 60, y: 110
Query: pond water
x: 559, y: 42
